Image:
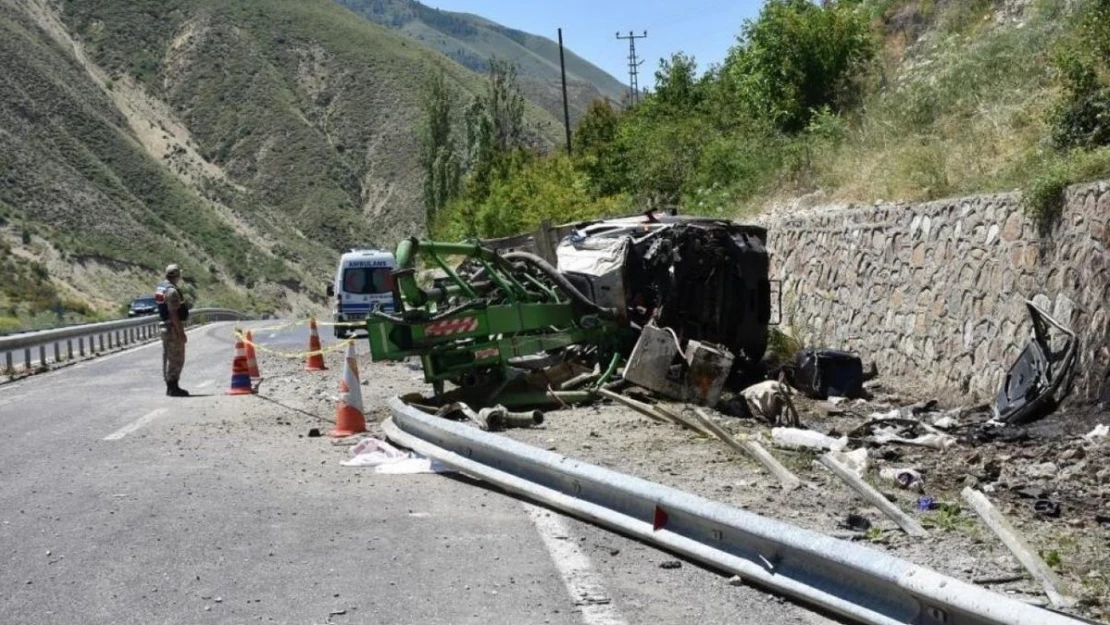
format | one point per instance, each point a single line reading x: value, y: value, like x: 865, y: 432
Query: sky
x: 704, y: 29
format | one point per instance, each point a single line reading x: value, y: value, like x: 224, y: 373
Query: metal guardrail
x: 857, y: 582
x: 94, y: 338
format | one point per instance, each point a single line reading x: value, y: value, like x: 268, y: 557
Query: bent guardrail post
x: 857, y: 582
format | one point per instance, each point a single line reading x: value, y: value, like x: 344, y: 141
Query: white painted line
x: 136, y: 424
x: 574, y: 566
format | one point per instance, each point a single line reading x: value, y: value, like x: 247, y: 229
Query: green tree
x: 677, y: 88
x: 598, y: 151
x: 439, y: 158
x: 1082, y: 117
x: 797, y: 57
x: 495, y: 131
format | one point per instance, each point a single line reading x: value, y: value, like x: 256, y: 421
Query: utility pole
x: 633, y: 64
x: 566, y: 105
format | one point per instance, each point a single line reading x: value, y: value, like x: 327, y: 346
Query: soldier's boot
x: 169, y: 388
x: 177, y: 391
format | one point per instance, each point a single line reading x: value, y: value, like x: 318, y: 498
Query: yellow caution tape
x: 285, y: 326
x: 295, y: 355
x: 299, y: 322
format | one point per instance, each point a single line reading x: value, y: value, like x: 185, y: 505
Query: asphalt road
x: 121, y: 505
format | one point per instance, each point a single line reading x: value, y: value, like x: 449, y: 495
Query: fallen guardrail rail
x: 856, y: 582
x: 94, y: 338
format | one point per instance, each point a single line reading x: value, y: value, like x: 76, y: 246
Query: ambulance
x: 363, y: 281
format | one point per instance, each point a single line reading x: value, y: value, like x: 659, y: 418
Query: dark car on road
x: 144, y: 305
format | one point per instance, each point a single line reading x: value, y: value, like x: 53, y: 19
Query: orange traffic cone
x: 240, y: 373
x: 252, y: 363
x: 349, y: 419
x: 315, y: 360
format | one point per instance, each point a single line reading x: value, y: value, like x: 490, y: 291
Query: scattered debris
x: 385, y: 458
x: 883, y: 429
x: 794, y: 438
x: 314, y: 433
x: 770, y: 401
x: 753, y: 449
x: 855, y: 522
x: 1035, y: 383
x: 1046, y: 508
x: 874, y: 497
x: 909, y: 479
x: 1017, y: 545
x: 671, y: 564
x: 856, y: 461
x: 1097, y: 435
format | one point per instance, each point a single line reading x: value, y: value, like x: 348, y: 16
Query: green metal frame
x: 480, y: 338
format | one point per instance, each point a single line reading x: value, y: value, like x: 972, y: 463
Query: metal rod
x: 57, y: 352
x: 69, y: 349
x: 42, y: 355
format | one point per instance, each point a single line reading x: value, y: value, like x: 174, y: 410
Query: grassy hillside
x: 80, y: 194
x: 471, y: 40
x: 249, y: 141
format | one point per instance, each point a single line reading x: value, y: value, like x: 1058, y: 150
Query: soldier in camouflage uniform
x: 174, y: 311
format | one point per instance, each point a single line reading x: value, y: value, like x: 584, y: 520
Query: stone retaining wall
x: 935, y: 293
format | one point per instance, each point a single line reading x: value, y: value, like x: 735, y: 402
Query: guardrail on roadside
x: 94, y: 338
x: 862, y: 584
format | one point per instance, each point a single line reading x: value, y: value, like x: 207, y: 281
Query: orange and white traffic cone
x: 252, y: 362
x: 315, y: 360
x: 349, y: 418
x: 240, y: 372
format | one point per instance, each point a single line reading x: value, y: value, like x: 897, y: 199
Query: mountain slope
x: 471, y: 40
x: 249, y: 141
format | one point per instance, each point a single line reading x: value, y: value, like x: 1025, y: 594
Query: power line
x: 633, y: 65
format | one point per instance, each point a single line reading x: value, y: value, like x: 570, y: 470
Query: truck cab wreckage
x: 683, y: 303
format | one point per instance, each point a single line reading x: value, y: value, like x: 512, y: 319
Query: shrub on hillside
x: 1082, y: 117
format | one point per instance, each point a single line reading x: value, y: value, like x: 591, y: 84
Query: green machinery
x: 493, y: 315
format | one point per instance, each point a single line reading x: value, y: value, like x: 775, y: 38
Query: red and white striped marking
x: 483, y: 354
x: 451, y: 326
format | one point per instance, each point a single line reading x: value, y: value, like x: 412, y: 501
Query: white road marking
x: 136, y: 424
x: 575, y: 568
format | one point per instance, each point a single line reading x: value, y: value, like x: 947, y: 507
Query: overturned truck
x: 519, y: 321
x: 704, y: 279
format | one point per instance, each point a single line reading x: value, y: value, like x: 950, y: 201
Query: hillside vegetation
x: 250, y: 141
x: 848, y: 101
x: 471, y: 41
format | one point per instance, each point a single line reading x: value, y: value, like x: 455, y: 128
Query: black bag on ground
x: 821, y: 373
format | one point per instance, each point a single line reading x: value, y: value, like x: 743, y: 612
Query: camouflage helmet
x: 173, y: 271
